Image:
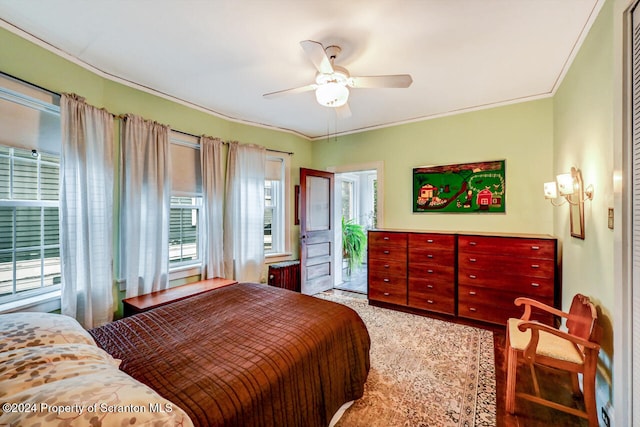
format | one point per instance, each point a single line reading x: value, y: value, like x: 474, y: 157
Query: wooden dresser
x: 494, y: 270
x: 475, y: 276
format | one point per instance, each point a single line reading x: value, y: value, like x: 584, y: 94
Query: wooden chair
x: 575, y: 350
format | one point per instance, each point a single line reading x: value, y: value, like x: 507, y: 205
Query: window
x: 29, y: 185
x: 29, y: 227
x: 186, y: 202
x: 348, y: 199
x: 184, y: 231
x: 275, y: 231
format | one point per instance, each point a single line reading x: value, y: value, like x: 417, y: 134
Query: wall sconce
x: 571, y: 188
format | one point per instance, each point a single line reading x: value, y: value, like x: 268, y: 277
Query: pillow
x: 28, y: 329
x: 109, y: 399
x: 29, y: 367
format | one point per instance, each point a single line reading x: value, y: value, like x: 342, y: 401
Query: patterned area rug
x: 424, y: 372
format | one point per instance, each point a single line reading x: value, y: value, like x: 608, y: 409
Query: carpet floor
x: 424, y: 372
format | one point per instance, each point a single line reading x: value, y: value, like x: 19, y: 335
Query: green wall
x: 584, y: 137
x: 522, y: 134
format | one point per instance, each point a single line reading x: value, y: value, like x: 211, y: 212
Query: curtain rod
x: 121, y: 116
x: 227, y: 142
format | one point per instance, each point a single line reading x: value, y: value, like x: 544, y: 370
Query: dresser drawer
x: 431, y: 241
x: 439, y: 303
x: 393, y: 291
x: 511, y: 246
x: 486, y: 313
x: 535, y: 287
x: 432, y: 272
x: 385, y: 238
x: 432, y: 256
x: 387, y: 253
x: 387, y: 268
x: 507, y: 265
x: 480, y: 295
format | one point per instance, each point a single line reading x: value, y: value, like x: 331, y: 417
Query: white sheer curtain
x: 86, y: 212
x: 244, y: 212
x: 212, y: 165
x: 145, y: 205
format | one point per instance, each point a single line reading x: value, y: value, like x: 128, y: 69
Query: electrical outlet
x: 605, y: 418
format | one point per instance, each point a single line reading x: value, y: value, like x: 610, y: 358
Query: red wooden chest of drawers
x: 475, y: 276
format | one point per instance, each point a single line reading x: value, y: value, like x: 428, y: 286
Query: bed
x: 245, y: 355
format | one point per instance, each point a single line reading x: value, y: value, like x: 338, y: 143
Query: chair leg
x: 512, y: 366
x: 589, y: 385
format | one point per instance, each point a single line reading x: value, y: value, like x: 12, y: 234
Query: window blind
x: 186, y: 175
x: 29, y: 117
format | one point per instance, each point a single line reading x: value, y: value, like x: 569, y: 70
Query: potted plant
x: 354, y: 244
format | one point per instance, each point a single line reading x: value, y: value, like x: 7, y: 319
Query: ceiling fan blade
x: 343, y: 112
x: 317, y: 55
x: 392, y: 81
x: 290, y: 91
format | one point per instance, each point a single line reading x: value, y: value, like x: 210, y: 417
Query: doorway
x: 357, y: 204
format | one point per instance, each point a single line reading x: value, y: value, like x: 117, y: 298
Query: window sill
x: 271, y: 258
x: 44, y: 303
x: 184, y: 272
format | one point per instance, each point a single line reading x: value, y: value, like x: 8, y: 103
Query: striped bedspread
x: 246, y: 355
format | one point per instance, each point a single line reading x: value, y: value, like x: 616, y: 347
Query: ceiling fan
x: 333, y: 82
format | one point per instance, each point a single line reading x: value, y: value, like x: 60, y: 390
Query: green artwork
x: 461, y: 188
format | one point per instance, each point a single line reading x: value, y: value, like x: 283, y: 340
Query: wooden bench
x: 146, y: 302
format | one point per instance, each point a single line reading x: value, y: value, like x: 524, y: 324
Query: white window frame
x: 181, y: 270
x: 197, y: 207
x: 355, y: 195
x: 26, y: 95
x: 281, y: 219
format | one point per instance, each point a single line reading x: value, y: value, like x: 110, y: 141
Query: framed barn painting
x: 460, y: 188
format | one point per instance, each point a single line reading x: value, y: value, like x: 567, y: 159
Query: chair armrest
x: 528, y: 303
x: 537, y: 326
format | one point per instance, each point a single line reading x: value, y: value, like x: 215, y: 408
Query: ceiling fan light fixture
x: 332, y: 94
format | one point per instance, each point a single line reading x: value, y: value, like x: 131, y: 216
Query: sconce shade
x: 566, y: 184
x: 332, y: 94
x: 550, y: 190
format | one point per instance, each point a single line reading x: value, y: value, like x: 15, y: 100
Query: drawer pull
x: 430, y: 271
x: 386, y: 252
x: 430, y: 286
x: 386, y: 294
x: 472, y: 309
x: 472, y: 292
x: 386, y: 266
x: 535, y: 266
x: 472, y: 276
x: 386, y: 280
x: 472, y: 260
x: 430, y: 241
x: 385, y: 238
x: 429, y: 256
x: 472, y: 243
x: 430, y: 301
x: 535, y: 248
x: 535, y: 285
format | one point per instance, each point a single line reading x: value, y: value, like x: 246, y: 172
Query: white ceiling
x: 224, y: 55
